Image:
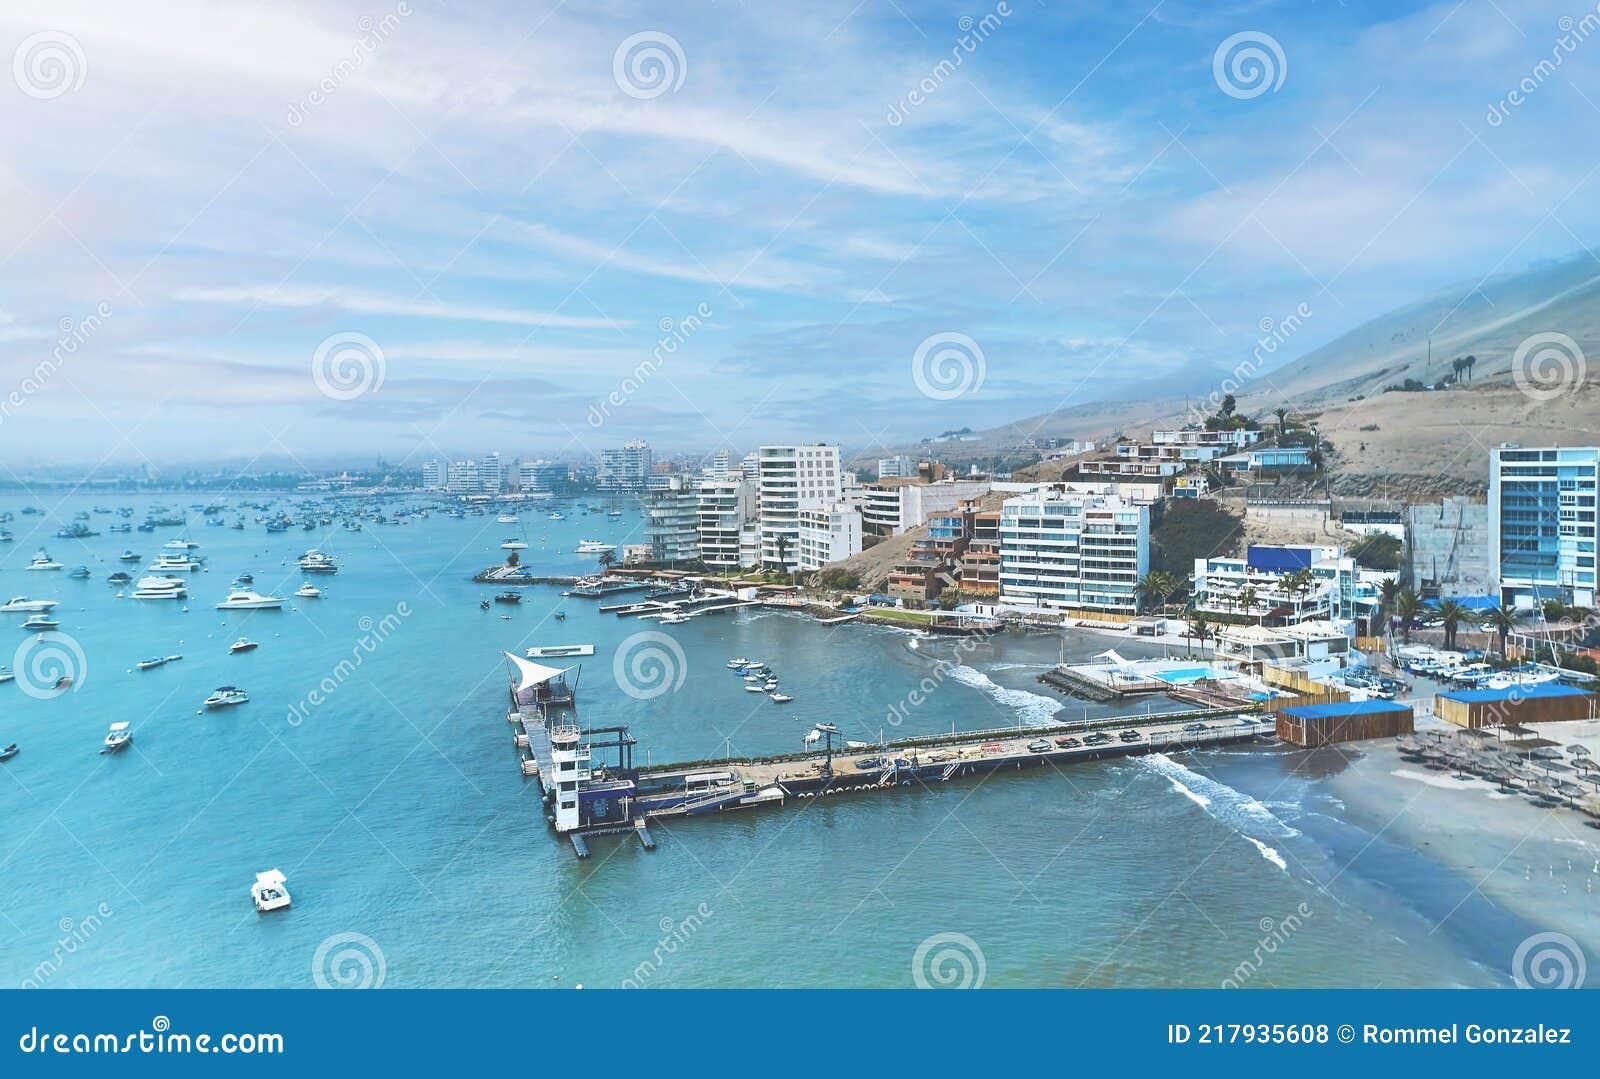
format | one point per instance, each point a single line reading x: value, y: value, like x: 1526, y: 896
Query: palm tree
x: 1248, y: 599
x: 1297, y: 584
x: 607, y: 559
x: 513, y: 560
x: 1198, y: 627
x: 1155, y: 585
x: 782, y: 541
x: 1283, y: 414
x: 1406, y: 607
x: 1503, y: 623
x: 1450, y: 615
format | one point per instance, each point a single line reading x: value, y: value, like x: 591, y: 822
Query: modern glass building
x: 1542, y: 524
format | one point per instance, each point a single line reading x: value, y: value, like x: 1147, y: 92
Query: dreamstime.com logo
x: 674, y: 335
x: 374, y: 631
x: 649, y: 664
x: 949, y: 961
x: 649, y: 64
x: 1549, y: 961
x: 74, y: 935
x: 47, y: 667
x: 348, y: 365
x: 1547, y: 365
x: 1275, y: 933
x: 49, y: 64
x: 1249, y: 64
x: 349, y: 961
x: 674, y: 935
x: 948, y: 365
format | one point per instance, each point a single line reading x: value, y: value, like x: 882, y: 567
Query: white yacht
x: 44, y: 561
x: 308, y: 591
x: 117, y: 738
x: 316, y: 562
x: 181, y: 545
x: 513, y: 544
x: 594, y: 546
x: 245, y: 600
x: 157, y: 587
x: 175, y: 563
x: 23, y: 603
x: 226, y: 696
x: 506, y: 519
x: 6, y: 675
x: 270, y: 891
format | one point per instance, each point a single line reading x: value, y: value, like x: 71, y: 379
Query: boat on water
x: 128, y: 555
x: 169, y: 562
x: 43, y: 561
x: 589, y: 546
x: 79, y: 573
x: 506, y: 519
x: 42, y: 623
x: 752, y: 687
x: 557, y: 516
x: 308, y: 591
x: 614, y: 513
x: 9, y: 751
x: 23, y: 603
x: 736, y: 663
x: 780, y: 698
x: 226, y: 697
x: 555, y: 651
x: 270, y: 892
x: 6, y: 675
x: 117, y: 738
x: 508, y: 597
x: 160, y: 588
x: 676, y: 618
x: 245, y: 600
x: 243, y: 644
x: 513, y: 544
x: 315, y: 561
x: 152, y: 663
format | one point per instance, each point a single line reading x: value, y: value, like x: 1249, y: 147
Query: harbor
x: 590, y: 785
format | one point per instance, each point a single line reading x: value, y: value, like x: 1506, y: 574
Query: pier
x: 590, y: 785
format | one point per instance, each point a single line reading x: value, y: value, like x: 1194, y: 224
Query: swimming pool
x: 1184, y: 676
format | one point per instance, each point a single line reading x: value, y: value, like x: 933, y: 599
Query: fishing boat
x: 226, y: 697
x: 249, y: 601
x: 506, y: 519
x: 243, y: 644
x: 117, y: 738
x: 270, y: 891
x: 308, y: 591
x: 152, y: 663
x: 558, y: 516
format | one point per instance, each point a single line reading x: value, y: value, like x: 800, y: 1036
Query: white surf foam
x: 1269, y: 853
x: 1035, y: 709
x: 1221, y: 802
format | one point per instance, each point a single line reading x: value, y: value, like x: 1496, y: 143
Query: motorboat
x: 513, y: 544
x: 779, y: 698
x: 557, y: 516
x: 6, y: 675
x: 308, y: 591
x: 79, y: 573
x: 175, y: 563
x: 180, y: 545
x: 117, y: 738
x: 243, y: 644
x: 556, y: 651
x: 595, y: 546
x: 753, y: 687
x: 160, y: 588
x: 316, y: 562
x: 42, y: 623
x: 8, y: 752
x: 152, y: 663
x: 506, y: 519
x: 269, y: 892
x: 226, y: 697
x: 245, y: 600
x: 508, y: 597
x: 23, y: 603
x: 737, y: 663
x: 43, y: 561
x: 128, y: 555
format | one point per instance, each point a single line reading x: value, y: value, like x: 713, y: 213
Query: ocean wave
x: 1035, y: 710
x: 1237, y: 810
x: 1269, y: 853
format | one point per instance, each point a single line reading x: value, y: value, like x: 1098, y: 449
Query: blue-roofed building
x: 1313, y: 725
x: 1543, y: 702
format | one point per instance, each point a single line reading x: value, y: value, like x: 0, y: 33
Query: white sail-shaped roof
x: 532, y: 673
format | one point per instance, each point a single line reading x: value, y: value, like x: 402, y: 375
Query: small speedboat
x: 245, y: 600
x: 753, y: 687
x: 23, y: 603
x: 79, y: 573
x: 117, y: 738
x: 41, y: 623
x: 243, y: 644
x: 152, y: 663
x: 508, y: 597
x: 736, y: 664
x: 780, y: 698
x: 119, y: 578
x: 513, y: 545
x: 128, y: 556
x: 8, y: 752
x: 226, y: 697
x: 308, y: 591
x: 6, y: 675
x: 270, y: 891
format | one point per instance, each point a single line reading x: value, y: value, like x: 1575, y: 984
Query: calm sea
x: 416, y: 852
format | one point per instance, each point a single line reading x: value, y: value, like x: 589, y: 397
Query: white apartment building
x: 1073, y: 551
x: 462, y: 478
x: 828, y: 534
x: 491, y: 474
x: 1257, y: 585
x: 726, y: 508
x: 792, y: 478
x: 672, y: 522
x: 898, y: 467
x: 541, y: 477
x: 1542, y: 538
x: 433, y: 475
x: 625, y: 469
x: 1199, y: 436
x: 889, y: 508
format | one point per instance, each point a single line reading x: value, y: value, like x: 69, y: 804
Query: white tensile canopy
x: 534, y: 674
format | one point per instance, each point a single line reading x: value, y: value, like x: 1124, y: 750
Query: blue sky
x: 502, y: 214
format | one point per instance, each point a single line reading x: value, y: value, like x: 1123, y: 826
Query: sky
x: 238, y: 231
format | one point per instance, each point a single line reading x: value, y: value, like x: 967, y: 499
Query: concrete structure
x: 1251, y: 646
x: 491, y: 474
x: 828, y: 534
x: 1448, y: 545
x: 935, y: 560
x: 461, y: 477
x: 726, y: 509
x: 672, y: 522
x: 890, y: 507
x: 792, y: 478
x: 1271, y: 459
x: 1545, y: 702
x: 625, y: 469
x: 980, y: 563
x: 1542, y: 530
x: 897, y: 467
x: 1071, y: 551
x: 1352, y: 721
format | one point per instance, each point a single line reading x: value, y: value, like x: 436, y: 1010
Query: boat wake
x: 1239, y: 811
x: 1035, y: 709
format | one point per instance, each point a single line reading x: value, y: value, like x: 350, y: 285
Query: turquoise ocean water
x: 397, y: 811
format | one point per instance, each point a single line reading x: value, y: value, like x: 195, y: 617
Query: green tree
x: 607, y: 559
x: 1503, y: 622
x: 1198, y: 627
x: 1249, y: 598
x: 1450, y: 615
x: 1406, y: 607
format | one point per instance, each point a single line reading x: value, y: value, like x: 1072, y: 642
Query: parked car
x: 1068, y: 743
x: 1194, y: 726
x: 1130, y: 735
x: 1041, y: 746
x: 1097, y: 739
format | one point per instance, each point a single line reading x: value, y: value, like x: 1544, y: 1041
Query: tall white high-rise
x: 1542, y: 537
x: 1067, y: 550
x: 793, y: 478
x: 625, y: 469
x: 726, y: 507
